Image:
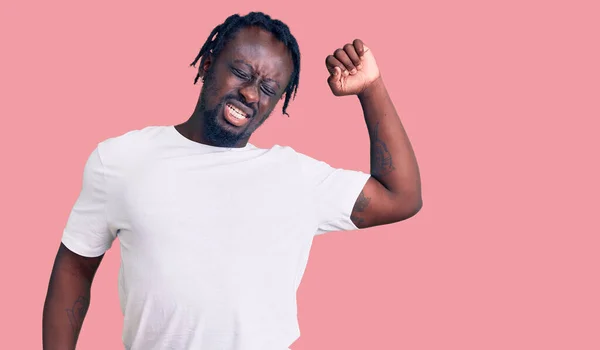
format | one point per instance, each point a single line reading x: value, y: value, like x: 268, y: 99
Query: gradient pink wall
x: 501, y: 101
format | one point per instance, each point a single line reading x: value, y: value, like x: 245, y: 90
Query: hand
x: 352, y: 69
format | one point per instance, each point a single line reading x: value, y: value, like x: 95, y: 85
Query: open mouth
x: 235, y: 115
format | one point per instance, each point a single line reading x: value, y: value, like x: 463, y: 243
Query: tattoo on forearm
x: 77, y: 313
x: 362, y: 202
x: 382, y: 159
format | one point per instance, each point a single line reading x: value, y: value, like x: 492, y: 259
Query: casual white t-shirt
x: 214, y: 241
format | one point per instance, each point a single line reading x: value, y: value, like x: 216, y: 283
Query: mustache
x: 241, y: 100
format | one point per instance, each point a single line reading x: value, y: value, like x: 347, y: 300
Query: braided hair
x: 222, y: 33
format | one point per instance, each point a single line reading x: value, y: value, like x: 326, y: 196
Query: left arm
x: 393, y: 193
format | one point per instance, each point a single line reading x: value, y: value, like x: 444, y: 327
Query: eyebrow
x: 240, y: 61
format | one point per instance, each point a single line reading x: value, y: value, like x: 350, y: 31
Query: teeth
x: 236, y: 112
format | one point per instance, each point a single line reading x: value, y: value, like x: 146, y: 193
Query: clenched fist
x: 352, y: 69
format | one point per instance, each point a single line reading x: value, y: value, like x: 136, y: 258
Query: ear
x: 205, y: 66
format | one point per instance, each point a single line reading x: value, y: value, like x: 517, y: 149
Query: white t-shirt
x: 214, y: 241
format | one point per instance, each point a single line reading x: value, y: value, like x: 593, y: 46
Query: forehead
x: 262, y: 50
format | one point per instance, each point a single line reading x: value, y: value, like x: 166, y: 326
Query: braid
x: 222, y: 33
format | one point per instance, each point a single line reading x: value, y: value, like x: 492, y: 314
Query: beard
x: 214, y: 132
x: 215, y: 129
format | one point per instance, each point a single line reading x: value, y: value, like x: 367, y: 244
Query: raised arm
x: 67, y: 299
x: 394, y: 191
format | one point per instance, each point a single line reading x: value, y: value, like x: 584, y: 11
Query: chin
x: 219, y: 131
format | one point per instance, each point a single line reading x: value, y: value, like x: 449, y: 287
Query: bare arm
x: 67, y: 299
x: 393, y: 193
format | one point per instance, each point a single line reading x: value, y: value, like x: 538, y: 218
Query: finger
x: 342, y: 56
x: 331, y: 63
x: 359, y: 46
x: 352, y: 54
x: 336, y: 75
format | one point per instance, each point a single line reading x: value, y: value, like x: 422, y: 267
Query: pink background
x: 501, y: 101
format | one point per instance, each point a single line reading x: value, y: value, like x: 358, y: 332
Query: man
x: 215, y: 232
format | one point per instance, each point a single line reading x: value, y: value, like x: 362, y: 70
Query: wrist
x: 372, y: 89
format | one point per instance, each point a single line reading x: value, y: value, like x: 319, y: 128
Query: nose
x: 250, y: 93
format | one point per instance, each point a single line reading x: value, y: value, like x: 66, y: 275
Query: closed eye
x: 240, y: 74
x: 268, y: 90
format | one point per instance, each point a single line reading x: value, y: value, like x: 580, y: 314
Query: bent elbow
x: 410, y: 208
x: 412, y: 211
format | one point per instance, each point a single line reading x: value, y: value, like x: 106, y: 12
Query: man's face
x: 243, y: 85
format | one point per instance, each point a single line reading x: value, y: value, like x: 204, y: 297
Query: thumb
x: 336, y: 75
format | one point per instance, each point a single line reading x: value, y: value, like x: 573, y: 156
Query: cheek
x: 220, y: 84
x: 256, y: 123
x: 265, y: 108
x: 267, y: 104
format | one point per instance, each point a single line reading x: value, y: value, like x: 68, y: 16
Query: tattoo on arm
x: 361, y: 204
x: 381, y: 163
x: 77, y: 313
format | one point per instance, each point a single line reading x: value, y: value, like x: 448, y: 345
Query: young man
x: 215, y: 232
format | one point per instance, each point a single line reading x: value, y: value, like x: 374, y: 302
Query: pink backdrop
x: 501, y: 102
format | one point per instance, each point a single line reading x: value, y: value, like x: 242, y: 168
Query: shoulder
x: 128, y: 145
x: 292, y: 153
x: 307, y: 167
x: 300, y: 160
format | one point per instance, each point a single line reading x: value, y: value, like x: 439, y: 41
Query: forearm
x: 66, y: 305
x: 393, y: 162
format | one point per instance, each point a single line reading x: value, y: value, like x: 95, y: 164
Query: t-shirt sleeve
x: 87, y: 231
x: 334, y: 192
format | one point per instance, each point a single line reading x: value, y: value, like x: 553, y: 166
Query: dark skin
x: 254, y: 69
x: 67, y: 298
x: 393, y: 193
